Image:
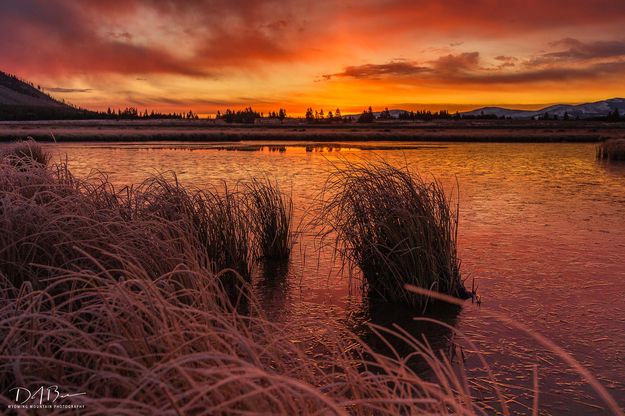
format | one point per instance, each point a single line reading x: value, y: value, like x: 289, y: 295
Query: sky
x: 207, y: 55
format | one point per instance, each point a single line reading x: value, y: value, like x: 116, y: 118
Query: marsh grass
x: 151, y: 344
x: 271, y: 217
x: 24, y: 153
x: 611, y: 150
x: 114, y: 294
x: 49, y: 218
x: 217, y: 221
x: 397, y: 228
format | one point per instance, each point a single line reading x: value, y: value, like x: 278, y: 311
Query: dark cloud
x: 58, y: 37
x: 391, y: 69
x: 456, y: 63
x: 68, y: 90
x: 506, y: 61
x: 447, y: 64
x: 575, y: 51
x: 550, y: 74
x: 504, y: 58
x: 465, y: 69
x: 121, y: 35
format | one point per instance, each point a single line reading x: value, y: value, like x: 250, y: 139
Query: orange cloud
x: 207, y: 54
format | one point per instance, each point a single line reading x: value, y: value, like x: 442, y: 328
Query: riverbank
x: 207, y: 130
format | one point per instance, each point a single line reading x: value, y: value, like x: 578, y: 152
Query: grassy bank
x: 506, y: 131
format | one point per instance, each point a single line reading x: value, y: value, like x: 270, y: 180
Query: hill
x: 592, y: 110
x: 20, y: 100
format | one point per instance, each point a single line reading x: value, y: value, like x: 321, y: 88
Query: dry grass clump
x: 218, y: 221
x: 48, y: 217
x: 271, y: 216
x: 397, y: 228
x: 23, y: 153
x: 146, y: 344
x: 611, y: 150
x: 51, y: 219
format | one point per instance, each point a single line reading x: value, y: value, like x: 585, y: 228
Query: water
x: 542, y: 232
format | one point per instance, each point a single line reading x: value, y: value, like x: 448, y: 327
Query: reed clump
x: 397, y: 228
x: 611, y: 150
x: 51, y: 220
x: 24, y: 153
x: 48, y: 217
x: 271, y: 217
x: 217, y: 221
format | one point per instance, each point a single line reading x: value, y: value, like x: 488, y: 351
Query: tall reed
x: 611, y: 150
x: 397, y: 228
x: 271, y: 217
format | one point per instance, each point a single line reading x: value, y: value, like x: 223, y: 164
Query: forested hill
x: 20, y: 100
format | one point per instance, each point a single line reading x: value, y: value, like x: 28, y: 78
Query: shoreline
x: 500, y: 131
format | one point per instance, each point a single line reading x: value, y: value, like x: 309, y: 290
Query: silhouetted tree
x: 310, y: 115
x: 366, y: 116
x: 614, y: 115
x: 247, y: 116
x: 385, y: 115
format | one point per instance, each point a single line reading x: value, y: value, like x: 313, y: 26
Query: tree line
x: 132, y: 113
x: 368, y: 116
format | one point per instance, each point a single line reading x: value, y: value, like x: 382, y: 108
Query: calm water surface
x: 542, y: 232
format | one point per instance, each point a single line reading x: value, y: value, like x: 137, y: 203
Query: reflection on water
x: 542, y: 230
x: 272, y: 288
x: 367, y: 318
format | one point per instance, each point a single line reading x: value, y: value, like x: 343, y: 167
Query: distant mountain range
x: 586, y: 111
x: 583, y: 111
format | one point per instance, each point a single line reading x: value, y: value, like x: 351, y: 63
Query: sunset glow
x: 209, y: 55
